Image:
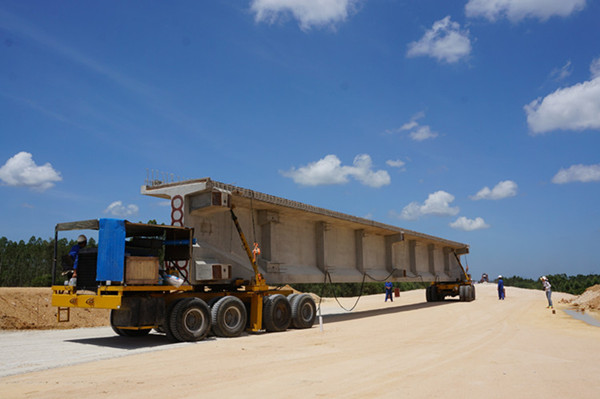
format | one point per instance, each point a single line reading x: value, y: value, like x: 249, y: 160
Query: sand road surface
x: 514, y: 348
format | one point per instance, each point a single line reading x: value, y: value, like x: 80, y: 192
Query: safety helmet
x: 543, y: 278
x: 500, y: 276
x: 81, y: 239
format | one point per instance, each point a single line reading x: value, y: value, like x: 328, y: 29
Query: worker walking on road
x: 388, y: 291
x: 500, y: 288
x: 548, y: 289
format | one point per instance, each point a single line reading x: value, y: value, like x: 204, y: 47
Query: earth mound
x: 589, y: 300
x: 27, y: 308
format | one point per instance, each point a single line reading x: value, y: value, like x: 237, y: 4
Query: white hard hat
x: 543, y: 278
x: 81, y: 238
x: 500, y: 276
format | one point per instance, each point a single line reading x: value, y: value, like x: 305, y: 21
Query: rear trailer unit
x: 133, y: 272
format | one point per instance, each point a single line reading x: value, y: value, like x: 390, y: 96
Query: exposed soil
x: 31, y: 308
x: 589, y: 300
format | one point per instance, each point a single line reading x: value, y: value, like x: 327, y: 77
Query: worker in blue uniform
x: 74, y: 254
x: 500, y: 288
x: 388, y: 291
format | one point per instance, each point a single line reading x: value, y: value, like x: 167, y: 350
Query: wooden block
x: 141, y: 270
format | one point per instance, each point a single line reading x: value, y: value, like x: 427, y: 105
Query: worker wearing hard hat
x: 500, y: 288
x: 74, y: 254
x: 548, y: 289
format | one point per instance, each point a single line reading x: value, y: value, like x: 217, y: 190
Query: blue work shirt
x: 74, y: 254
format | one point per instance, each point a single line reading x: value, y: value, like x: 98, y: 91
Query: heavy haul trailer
x: 225, y: 283
x: 127, y: 273
x: 300, y: 243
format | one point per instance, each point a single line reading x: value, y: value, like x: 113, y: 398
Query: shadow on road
x: 128, y: 343
x: 332, y: 318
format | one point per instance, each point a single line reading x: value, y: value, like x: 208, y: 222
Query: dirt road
x: 488, y: 348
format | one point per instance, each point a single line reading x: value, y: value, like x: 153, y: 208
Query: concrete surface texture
x: 299, y: 241
x: 407, y: 348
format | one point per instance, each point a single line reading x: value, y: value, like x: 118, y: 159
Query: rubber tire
x: 464, y: 293
x: 277, y: 313
x: 431, y: 294
x: 473, y: 293
x: 304, y: 311
x: 125, y: 332
x: 228, y: 317
x: 291, y: 297
x: 166, y: 327
x: 189, y: 320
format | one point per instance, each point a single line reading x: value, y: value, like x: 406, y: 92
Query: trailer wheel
x: 166, y: 326
x: 228, y: 317
x: 466, y: 293
x: 304, y: 311
x: 125, y: 332
x: 291, y: 297
x: 431, y: 294
x: 277, y: 313
x: 190, y: 320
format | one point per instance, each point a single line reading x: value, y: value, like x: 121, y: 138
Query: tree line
x: 575, y: 285
x: 29, y: 264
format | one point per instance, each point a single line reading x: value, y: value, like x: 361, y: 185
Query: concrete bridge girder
x: 299, y: 243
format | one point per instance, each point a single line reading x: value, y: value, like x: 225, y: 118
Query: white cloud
x: 437, y: 204
x: 445, y: 41
x: 118, y: 209
x: 417, y: 132
x: 561, y: 73
x: 409, y: 125
x: 309, y: 13
x: 466, y: 224
x: 21, y: 170
x: 516, y: 10
x: 571, y: 108
x: 423, y: 133
x: 329, y: 170
x: 504, y: 189
x: 595, y: 68
x: 578, y: 173
x: 395, y: 163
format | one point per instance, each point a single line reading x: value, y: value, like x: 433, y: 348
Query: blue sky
x: 476, y: 121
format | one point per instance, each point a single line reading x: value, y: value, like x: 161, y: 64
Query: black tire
x: 291, y: 297
x: 473, y: 293
x: 304, y: 311
x: 166, y: 326
x: 228, y: 317
x: 431, y: 294
x: 464, y: 294
x: 125, y: 332
x: 277, y: 313
x: 189, y: 320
